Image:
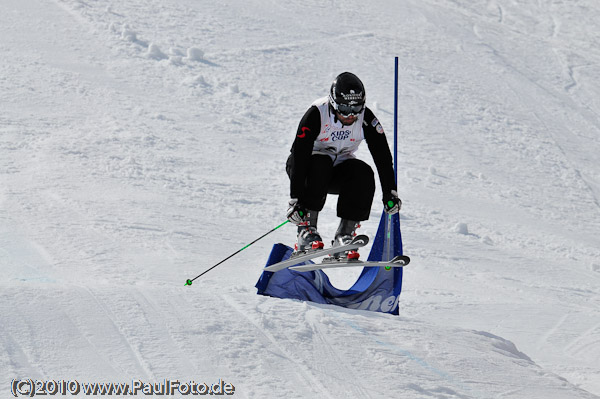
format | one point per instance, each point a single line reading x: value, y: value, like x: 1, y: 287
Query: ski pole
x: 189, y: 281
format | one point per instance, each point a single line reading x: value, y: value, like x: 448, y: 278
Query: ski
x: 398, y: 261
x: 357, y: 242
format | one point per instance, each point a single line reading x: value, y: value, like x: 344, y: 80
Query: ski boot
x: 345, y: 233
x: 308, y: 237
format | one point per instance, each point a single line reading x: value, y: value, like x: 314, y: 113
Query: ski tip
x: 401, y: 260
x: 361, y: 239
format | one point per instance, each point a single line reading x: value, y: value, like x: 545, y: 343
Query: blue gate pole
x: 396, y: 120
x: 390, y: 236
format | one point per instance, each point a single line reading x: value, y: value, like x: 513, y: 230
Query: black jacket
x: 309, y: 129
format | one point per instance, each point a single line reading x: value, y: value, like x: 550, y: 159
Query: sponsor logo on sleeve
x: 304, y: 131
x: 375, y: 123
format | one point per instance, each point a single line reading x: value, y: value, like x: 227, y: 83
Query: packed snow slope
x: 143, y: 141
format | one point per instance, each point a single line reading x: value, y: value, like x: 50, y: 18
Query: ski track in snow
x: 143, y: 141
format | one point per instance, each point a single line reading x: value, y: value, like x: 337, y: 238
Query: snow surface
x: 143, y: 141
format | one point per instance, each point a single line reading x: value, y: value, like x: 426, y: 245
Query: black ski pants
x: 353, y: 180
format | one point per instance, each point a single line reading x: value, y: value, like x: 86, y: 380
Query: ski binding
x: 301, y: 257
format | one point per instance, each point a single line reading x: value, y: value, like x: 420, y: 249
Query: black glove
x: 391, y: 203
x: 296, y: 212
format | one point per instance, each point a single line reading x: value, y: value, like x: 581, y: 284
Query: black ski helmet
x: 347, y: 94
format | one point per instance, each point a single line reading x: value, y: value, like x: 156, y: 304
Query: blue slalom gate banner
x: 376, y: 289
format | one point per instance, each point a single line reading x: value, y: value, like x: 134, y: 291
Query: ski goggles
x: 348, y: 110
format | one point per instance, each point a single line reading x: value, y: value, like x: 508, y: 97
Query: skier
x: 322, y: 162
